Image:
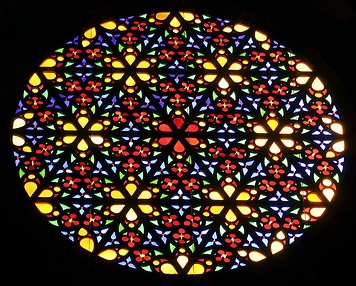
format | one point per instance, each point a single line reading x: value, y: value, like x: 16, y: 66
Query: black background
x: 34, y: 252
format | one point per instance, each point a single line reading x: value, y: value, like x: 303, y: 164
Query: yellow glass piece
x: 82, y: 145
x: 18, y: 123
x: 317, y: 212
x: 83, y: 232
x: 85, y: 43
x: 228, y: 180
x: 235, y: 67
x: 327, y: 119
x: 314, y: 198
x: 209, y: 66
x: 339, y: 146
x: 241, y: 27
x: 87, y: 243
x: 131, y: 188
x: 302, y: 79
x: 243, y: 196
x: 82, y: 120
x: 28, y: 115
x: 236, y: 78
x: 146, y: 209
x: 130, y: 81
x: 227, y: 29
x: 182, y: 260
x: 116, y: 194
x: 260, y: 142
x: 47, y: 193
x: 143, y: 65
x: 242, y: 252
x: 131, y: 215
x: 130, y: 58
x: 329, y: 194
x: 30, y: 188
x: 330, y: 154
x: 50, y: 75
x: 317, y: 85
x: 117, y: 64
x: 223, y: 83
x: 121, y: 28
x: 221, y: 60
x: 110, y: 25
x: 303, y: 67
x: 261, y: 37
x: 276, y: 246
x: 162, y: 15
x: 117, y: 75
x: 123, y: 251
x: 35, y: 80
x: 280, y: 235
x: 175, y: 22
x: 116, y: 208
x: 44, y: 208
x: 69, y: 139
x: 96, y: 139
x: 168, y: 268
x: 197, y: 268
x: 18, y: 140
x: 48, y: 63
x: 229, y: 190
x: 274, y: 149
x: 106, y: 122
x: 245, y: 210
x: 273, y: 123
x: 96, y: 127
x: 188, y: 16
x: 287, y: 130
x: 214, y: 195
x: 108, y: 254
x: 143, y: 76
x: 230, y: 216
x: 289, y: 143
x: 216, y: 209
x: 256, y: 256
x: 259, y: 129
x: 327, y: 182
x: 69, y: 127
x: 209, y: 77
x: 305, y: 217
x: 145, y: 195
x: 90, y: 33
x: 266, y: 46
x: 208, y: 262
x: 337, y: 128
x: 27, y: 149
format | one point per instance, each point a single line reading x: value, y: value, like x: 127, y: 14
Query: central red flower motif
x: 178, y: 125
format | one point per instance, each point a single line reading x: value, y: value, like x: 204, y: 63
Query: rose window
x: 178, y: 143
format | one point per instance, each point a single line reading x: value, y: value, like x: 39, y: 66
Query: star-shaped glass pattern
x: 178, y: 143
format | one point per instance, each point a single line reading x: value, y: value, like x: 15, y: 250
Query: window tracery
x: 178, y: 143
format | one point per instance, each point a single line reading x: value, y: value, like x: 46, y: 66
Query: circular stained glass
x: 178, y: 143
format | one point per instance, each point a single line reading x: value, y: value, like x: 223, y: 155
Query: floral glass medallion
x: 178, y: 143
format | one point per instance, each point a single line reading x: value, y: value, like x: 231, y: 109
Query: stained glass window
x: 178, y: 143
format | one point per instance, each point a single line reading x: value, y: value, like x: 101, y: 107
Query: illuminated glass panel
x: 178, y: 143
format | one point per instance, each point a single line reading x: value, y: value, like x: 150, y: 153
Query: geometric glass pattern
x: 178, y: 143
